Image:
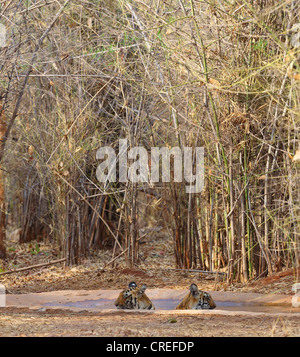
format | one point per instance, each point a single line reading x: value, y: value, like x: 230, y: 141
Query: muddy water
x: 170, y: 304
x: 101, y: 300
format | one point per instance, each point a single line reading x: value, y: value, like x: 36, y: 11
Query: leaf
x: 297, y: 156
x: 30, y: 150
x: 214, y: 82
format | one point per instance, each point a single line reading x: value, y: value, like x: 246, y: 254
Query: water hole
x: 170, y: 304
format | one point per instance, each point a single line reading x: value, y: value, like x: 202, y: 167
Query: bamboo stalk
x: 243, y: 235
x: 231, y: 223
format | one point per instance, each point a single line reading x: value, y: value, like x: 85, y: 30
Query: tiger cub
x: 134, y: 298
x: 196, y: 300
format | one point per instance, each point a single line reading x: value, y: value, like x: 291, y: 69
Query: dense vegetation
x: 223, y: 75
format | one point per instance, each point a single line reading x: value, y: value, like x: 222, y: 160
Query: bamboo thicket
x: 219, y: 75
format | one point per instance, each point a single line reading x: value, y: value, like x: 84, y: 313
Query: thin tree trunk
x: 243, y: 236
x: 210, y: 230
x: 232, y: 236
x: 2, y: 192
x: 133, y: 228
x: 198, y: 229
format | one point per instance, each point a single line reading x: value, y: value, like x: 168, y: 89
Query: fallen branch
x: 196, y: 271
x: 34, y: 266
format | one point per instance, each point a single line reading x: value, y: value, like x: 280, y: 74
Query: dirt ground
x: 155, y: 270
x: 25, y: 322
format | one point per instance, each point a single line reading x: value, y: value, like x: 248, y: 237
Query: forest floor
x: 155, y: 270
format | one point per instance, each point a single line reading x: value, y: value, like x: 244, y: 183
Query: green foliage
x: 35, y: 250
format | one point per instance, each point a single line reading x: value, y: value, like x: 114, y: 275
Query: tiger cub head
x: 134, y: 298
x: 196, y: 300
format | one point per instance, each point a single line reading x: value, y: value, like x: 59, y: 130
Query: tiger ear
x: 194, y: 289
x: 141, y: 290
x: 132, y: 284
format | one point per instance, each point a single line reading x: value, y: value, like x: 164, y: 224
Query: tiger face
x: 196, y: 300
x: 134, y: 298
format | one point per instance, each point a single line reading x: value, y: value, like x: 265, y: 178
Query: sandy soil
x: 25, y: 322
